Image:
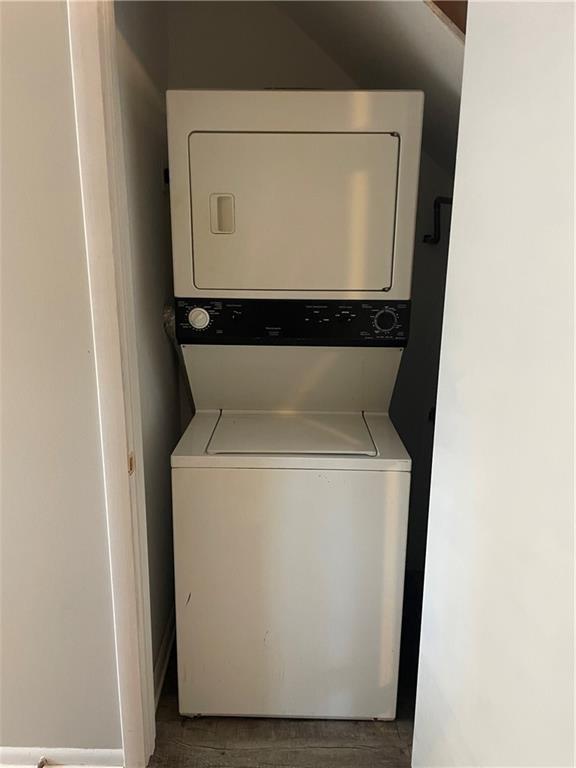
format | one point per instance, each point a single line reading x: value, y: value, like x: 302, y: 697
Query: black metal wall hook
x: 434, y: 239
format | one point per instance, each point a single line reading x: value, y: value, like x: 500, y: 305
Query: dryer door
x: 293, y: 211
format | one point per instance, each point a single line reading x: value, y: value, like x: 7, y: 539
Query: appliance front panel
x: 293, y: 211
x: 289, y: 591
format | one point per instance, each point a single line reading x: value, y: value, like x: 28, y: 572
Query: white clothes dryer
x: 293, y: 227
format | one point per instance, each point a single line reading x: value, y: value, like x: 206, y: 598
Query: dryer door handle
x: 222, y: 214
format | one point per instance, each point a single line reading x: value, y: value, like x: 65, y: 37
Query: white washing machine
x: 293, y: 225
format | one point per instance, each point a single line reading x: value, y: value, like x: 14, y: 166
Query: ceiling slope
x: 394, y: 45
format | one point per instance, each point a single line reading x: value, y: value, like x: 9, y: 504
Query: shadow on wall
x: 414, y: 399
x: 413, y: 405
x: 239, y: 45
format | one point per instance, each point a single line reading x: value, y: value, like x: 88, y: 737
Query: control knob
x: 385, y: 320
x: 198, y: 318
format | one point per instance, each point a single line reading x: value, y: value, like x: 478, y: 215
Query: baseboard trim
x: 71, y: 758
x: 161, y: 663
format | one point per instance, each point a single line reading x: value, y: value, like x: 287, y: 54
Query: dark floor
x: 232, y: 742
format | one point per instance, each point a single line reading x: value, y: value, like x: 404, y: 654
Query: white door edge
x: 92, y: 32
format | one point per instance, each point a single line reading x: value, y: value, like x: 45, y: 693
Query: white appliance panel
x: 293, y: 211
x: 241, y: 377
x: 289, y: 591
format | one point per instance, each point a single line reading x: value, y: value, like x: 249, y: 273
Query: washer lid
x: 288, y: 433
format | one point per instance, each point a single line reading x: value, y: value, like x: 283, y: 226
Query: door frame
x: 100, y: 144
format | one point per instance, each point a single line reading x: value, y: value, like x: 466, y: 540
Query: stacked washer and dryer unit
x: 293, y: 228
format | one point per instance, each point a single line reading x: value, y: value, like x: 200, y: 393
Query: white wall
x: 496, y: 664
x: 58, y: 672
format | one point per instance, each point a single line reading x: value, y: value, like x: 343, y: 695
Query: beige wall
x: 58, y: 673
x: 496, y: 676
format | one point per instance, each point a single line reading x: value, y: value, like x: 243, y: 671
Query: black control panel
x: 295, y: 322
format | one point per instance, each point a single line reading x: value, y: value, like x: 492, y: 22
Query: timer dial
x: 385, y: 320
x: 198, y: 318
